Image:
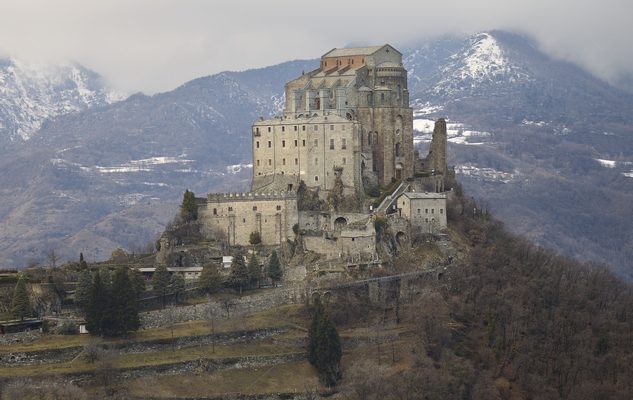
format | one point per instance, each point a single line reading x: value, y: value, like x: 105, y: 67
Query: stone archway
x: 340, y: 222
x: 401, y: 238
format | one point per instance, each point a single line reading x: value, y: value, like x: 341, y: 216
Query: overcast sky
x: 156, y: 45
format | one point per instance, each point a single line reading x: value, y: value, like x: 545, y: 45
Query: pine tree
x: 98, y: 310
x: 83, y: 265
x: 82, y: 293
x: 177, y: 286
x: 189, y: 207
x: 123, y: 305
x: 138, y: 282
x: 21, y: 305
x: 210, y: 279
x: 324, y: 346
x: 160, y: 281
x: 254, y: 271
x: 274, y: 268
x: 239, y: 272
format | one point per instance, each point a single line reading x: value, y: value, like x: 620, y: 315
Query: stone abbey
x: 347, y: 123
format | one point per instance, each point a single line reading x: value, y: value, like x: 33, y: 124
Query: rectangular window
x: 257, y: 144
x: 344, y: 161
x: 283, y: 128
x: 343, y: 143
x: 331, y: 127
x: 426, y: 210
x: 283, y: 161
x: 270, y: 161
x: 296, y: 161
x: 303, y: 127
x: 296, y: 141
x: 230, y: 209
x: 316, y: 127
x: 278, y: 208
x: 270, y: 144
x: 283, y: 143
x: 269, y: 129
x: 316, y: 142
x: 257, y: 131
x: 303, y: 143
x: 258, y: 163
x: 331, y: 144
x: 316, y: 178
x: 441, y: 211
x: 419, y: 211
x: 296, y: 128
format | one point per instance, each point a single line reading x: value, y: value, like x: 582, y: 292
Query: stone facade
x: 426, y: 212
x: 273, y: 215
x: 314, y: 150
x: 367, y: 85
x: 431, y: 171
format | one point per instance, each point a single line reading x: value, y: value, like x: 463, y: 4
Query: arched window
x: 215, y: 211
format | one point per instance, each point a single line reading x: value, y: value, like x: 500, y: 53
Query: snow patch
x: 485, y: 174
x: 456, y: 132
x: 606, y: 163
x: 234, y: 169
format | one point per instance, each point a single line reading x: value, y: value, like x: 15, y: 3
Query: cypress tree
x: 254, y: 271
x: 83, y: 265
x: 274, y: 268
x: 98, y: 310
x: 239, y: 272
x: 123, y: 305
x: 21, y: 304
x: 324, y: 346
x: 210, y: 279
x: 160, y: 281
x: 189, y: 207
x: 82, y: 293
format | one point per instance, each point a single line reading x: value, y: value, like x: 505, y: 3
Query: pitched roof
x: 355, y: 51
x: 425, y: 195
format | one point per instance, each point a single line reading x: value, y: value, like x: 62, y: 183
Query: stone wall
x: 237, y: 306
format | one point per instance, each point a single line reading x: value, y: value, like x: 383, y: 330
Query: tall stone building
x: 349, y: 117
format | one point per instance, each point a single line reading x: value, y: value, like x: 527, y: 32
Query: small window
x: 343, y: 143
x: 296, y: 128
x: 254, y: 208
x: 215, y: 211
x: 278, y: 208
x: 441, y: 211
x: 270, y: 144
x: 296, y: 161
x: 257, y: 144
x: 382, y: 97
x: 258, y: 163
x: 283, y: 143
x: 426, y: 210
x: 303, y: 127
x: 270, y: 161
x: 244, y: 220
x: 426, y: 220
x: 316, y: 142
x: 419, y: 211
x: 257, y: 131
x: 316, y: 178
x: 344, y: 161
x: 331, y: 127
x: 283, y: 128
x: 331, y: 144
x: 296, y: 142
x: 230, y: 209
x: 432, y: 210
x: 269, y: 129
x: 283, y: 161
x: 303, y: 143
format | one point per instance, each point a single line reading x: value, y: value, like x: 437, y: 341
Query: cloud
x: 155, y: 45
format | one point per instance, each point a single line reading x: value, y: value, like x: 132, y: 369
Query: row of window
x: 296, y: 128
x: 283, y: 161
x: 303, y: 143
x: 230, y: 209
x: 426, y: 211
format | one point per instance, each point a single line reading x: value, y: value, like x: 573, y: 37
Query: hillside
x: 543, y: 143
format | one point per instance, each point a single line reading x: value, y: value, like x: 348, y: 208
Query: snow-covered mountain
x: 30, y: 94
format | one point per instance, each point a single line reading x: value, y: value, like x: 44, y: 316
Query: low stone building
x: 238, y: 215
x: 426, y: 211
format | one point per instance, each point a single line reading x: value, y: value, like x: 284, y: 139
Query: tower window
x: 278, y: 208
x: 296, y: 128
x: 331, y: 144
x: 303, y: 127
x: 215, y: 211
x: 258, y: 163
x: 441, y: 211
x: 283, y: 161
x: 296, y: 141
x: 343, y: 143
x: 316, y: 178
x: 270, y: 161
x: 257, y: 144
x: 270, y: 144
x: 257, y: 131
x: 269, y: 129
x: 283, y: 143
x: 283, y: 128
x: 296, y: 161
x: 303, y: 143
